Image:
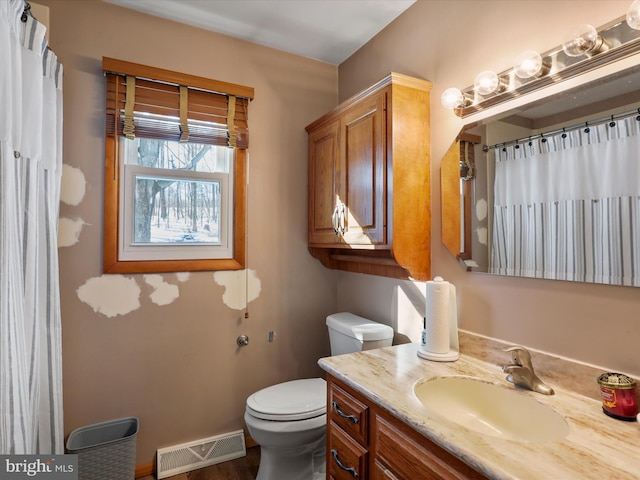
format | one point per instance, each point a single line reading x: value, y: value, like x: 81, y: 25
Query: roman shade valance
x: 149, y: 102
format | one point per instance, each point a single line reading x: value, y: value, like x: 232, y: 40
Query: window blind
x: 154, y: 103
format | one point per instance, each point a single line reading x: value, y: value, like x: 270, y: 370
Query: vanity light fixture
x: 584, y: 40
x: 454, y: 98
x: 586, y: 49
x: 529, y: 64
x: 487, y: 82
x: 633, y: 15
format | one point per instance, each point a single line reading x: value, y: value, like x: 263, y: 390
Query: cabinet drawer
x: 417, y: 459
x: 349, y: 413
x: 346, y: 458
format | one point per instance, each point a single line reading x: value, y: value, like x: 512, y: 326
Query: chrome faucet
x: 521, y: 371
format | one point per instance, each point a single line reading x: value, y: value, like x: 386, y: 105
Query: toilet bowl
x: 288, y: 420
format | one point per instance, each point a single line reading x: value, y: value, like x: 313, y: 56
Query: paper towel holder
x: 450, y: 307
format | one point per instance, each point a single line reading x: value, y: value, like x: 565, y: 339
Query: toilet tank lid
x: 358, y: 327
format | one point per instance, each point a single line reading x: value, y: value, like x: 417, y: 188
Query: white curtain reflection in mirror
x: 567, y: 206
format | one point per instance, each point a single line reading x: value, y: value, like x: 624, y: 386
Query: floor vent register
x: 201, y: 453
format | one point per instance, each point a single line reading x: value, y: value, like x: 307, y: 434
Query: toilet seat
x: 290, y: 401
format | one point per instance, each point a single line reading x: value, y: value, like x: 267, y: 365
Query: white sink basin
x: 491, y: 409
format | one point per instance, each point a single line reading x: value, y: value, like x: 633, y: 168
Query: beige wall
x: 449, y: 42
x: 176, y: 366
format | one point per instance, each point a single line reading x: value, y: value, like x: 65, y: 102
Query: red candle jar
x: 618, y: 393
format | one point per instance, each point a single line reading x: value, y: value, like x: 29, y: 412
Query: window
x: 177, y: 197
x: 175, y: 182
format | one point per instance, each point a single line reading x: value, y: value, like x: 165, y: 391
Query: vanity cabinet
x: 365, y: 441
x: 369, y: 181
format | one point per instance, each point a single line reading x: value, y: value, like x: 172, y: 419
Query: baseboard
x: 145, y: 469
x: 249, y: 442
x: 150, y: 468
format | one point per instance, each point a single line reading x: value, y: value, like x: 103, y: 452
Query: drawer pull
x: 351, y: 470
x: 351, y: 418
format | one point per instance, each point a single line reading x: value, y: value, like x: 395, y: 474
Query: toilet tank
x: 350, y: 333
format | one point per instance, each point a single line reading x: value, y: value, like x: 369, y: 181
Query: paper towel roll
x: 437, y: 316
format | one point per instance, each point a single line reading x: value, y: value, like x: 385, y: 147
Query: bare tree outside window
x: 172, y: 208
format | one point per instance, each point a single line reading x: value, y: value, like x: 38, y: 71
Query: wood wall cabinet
x: 369, y: 181
x: 365, y: 441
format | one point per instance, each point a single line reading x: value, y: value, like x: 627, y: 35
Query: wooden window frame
x: 113, y: 177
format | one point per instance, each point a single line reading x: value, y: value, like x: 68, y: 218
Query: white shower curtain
x: 568, y: 208
x: 30, y: 169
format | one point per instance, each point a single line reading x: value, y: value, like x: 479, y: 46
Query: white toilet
x: 288, y: 420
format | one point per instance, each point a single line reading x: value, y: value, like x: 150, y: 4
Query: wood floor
x: 245, y: 468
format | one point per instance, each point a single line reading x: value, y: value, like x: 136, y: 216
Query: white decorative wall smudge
x: 73, y: 185
x: 481, y: 214
x: 164, y: 293
x: 183, y: 276
x: 241, y: 287
x: 481, y: 209
x: 69, y: 231
x: 111, y: 295
x: 72, y: 190
x: 482, y: 234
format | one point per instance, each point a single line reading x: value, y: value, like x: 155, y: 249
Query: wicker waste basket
x: 105, y: 450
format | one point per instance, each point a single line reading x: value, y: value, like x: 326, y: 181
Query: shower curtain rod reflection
x: 592, y: 123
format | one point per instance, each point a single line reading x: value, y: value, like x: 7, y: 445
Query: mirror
x: 469, y: 188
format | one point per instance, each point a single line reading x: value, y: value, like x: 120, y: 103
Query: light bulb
x: 582, y: 40
x: 452, y: 98
x: 528, y: 64
x: 486, y: 82
x: 633, y: 15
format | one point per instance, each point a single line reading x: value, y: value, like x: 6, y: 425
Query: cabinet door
x: 361, y: 179
x: 398, y: 455
x: 324, y: 157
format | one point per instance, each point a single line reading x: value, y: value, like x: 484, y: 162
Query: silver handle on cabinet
x: 351, y: 418
x: 341, y: 219
x: 334, y: 219
x: 351, y: 470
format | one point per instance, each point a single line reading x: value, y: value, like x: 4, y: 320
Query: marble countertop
x: 597, y: 446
